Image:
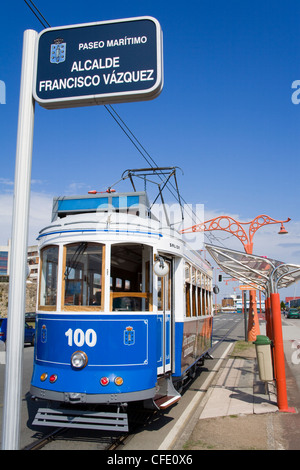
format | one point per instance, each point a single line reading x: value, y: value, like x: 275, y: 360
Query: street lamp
x: 229, y: 224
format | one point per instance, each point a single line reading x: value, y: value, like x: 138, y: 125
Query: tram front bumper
x: 104, y: 398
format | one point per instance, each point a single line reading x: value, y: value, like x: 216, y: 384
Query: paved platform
x: 237, y: 389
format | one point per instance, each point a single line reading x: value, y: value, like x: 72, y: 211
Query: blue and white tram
x: 124, y: 310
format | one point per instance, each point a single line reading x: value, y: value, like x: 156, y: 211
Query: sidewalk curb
x: 181, y: 427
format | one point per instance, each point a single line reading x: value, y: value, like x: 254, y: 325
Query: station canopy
x: 255, y: 270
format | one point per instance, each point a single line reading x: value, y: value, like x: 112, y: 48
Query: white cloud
x: 40, y: 215
x: 6, y: 182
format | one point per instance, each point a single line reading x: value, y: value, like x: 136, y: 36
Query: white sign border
x: 107, y: 98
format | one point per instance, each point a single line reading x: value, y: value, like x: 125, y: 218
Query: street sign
x: 99, y: 63
x: 248, y: 287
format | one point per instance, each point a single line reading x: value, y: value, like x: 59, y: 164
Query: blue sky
x: 225, y: 115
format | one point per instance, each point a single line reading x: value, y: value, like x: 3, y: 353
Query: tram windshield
x: 82, y: 283
x: 83, y: 277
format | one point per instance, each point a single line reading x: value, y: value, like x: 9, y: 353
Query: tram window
x: 187, y: 290
x: 48, y: 278
x: 188, y: 299
x: 187, y: 272
x: 164, y: 291
x: 83, y: 277
x: 130, y: 277
x: 209, y: 303
x: 203, y: 302
x: 194, y: 311
x: 199, y: 301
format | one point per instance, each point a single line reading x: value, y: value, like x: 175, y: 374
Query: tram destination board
x: 99, y: 63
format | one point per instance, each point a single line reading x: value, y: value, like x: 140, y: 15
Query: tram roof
x: 133, y: 202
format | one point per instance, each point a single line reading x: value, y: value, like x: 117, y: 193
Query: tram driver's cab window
x: 48, y: 278
x: 130, y: 283
x: 83, y: 276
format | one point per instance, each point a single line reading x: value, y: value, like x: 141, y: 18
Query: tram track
x: 43, y: 441
x: 218, y: 340
x: 58, y: 435
x: 138, y: 418
x: 90, y: 438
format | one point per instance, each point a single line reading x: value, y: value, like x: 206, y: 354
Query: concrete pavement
x: 238, y: 390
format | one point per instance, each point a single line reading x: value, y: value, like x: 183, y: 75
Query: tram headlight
x: 79, y: 360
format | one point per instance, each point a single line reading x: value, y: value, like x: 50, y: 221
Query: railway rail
x: 138, y: 417
x: 102, y: 440
x: 104, y: 443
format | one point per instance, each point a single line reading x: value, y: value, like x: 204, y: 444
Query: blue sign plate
x: 99, y: 63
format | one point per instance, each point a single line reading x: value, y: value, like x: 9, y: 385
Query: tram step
x: 81, y: 419
x: 166, y: 395
x: 166, y: 401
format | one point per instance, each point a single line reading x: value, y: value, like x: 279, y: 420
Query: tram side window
x: 164, y: 291
x: 48, y: 278
x: 208, y: 302
x: 199, y: 301
x: 194, y: 310
x: 203, y: 301
x: 83, y: 275
x: 187, y: 290
x: 130, y: 284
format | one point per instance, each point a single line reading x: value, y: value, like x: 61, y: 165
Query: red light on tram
x: 104, y: 381
x: 53, y: 378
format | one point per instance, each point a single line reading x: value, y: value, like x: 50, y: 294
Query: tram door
x: 165, y: 310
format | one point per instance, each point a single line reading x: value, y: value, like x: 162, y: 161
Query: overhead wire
x: 142, y: 149
x: 37, y: 12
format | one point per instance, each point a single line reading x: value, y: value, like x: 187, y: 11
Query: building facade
x: 32, y: 261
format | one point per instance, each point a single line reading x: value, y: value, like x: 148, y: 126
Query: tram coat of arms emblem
x: 129, y: 336
x: 58, y: 51
x: 44, y: 334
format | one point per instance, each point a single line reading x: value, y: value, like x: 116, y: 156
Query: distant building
x: 32, y: 261
x: 235, y: 303
x: 292, y: 302
x: 4, y: 259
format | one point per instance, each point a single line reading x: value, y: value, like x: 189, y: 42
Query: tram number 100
x: 79, y: 337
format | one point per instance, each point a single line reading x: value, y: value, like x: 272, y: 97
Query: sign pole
x: 18, y: 258
x: 245, y: 314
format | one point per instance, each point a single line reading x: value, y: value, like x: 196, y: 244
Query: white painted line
x: 2, y: 357
x: 179, y: 425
